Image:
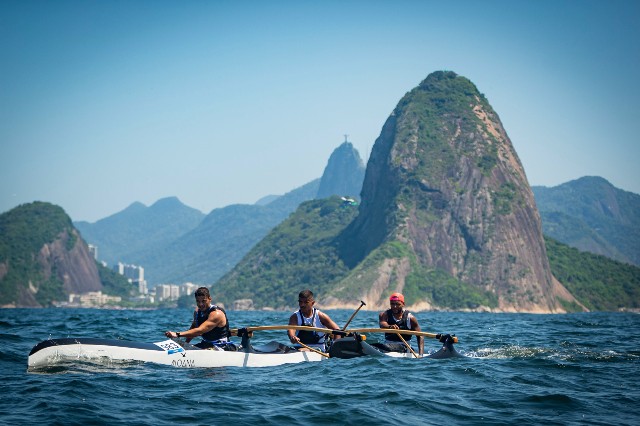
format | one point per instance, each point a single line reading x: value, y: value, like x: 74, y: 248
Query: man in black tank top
x: 397, y: 318
x: 209, y: 322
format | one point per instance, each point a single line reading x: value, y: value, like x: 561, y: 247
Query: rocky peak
x: 444, y: 180
x: 343, y: 174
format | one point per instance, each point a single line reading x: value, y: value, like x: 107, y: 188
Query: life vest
x: 217, y: 334
x: 309, y: 337
x: 403, y: 323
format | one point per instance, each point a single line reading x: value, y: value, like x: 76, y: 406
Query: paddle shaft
x: 393, y: 330
x: 291, y: 327
x: 408, y: 345
x: 353, y: 315
x: 340, y: 332
x: 314, y: 350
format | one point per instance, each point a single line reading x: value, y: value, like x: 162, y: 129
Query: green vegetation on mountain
x: 297, y: 254
x: 24, y: 230
x: 440, y: 102
x: 601, y: 284
x: 430, y: 284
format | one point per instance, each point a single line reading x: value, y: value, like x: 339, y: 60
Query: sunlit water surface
x: 521, y: 369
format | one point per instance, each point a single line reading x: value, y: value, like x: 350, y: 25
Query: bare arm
x: 292, y: 333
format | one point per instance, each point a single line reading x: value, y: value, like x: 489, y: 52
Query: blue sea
x: 520, y: 369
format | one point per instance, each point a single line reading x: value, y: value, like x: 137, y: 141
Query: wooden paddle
x: 314, y: 350
x: 345, y: 332
x: 354, y: 314
x: 291, y: 327
x: 408, y: 345
x: 392, y: 330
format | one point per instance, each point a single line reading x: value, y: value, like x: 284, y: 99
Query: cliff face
x: 344, y: 173
x: 444, y: 180
x: 74, y: 267
x: 42, y: 257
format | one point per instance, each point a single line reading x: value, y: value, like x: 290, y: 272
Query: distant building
x: 93, y: 298
x: 135, y: 275
x: 167, y: 292
x: 187, y: 289
x: 133, y: 272
x: 174, y: 292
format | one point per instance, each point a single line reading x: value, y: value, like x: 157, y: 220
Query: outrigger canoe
x: 167, y: 352
x: 178, y: 354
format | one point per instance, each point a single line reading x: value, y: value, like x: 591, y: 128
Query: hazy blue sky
x: 103, y: 103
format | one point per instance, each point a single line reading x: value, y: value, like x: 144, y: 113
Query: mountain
x: 42, y: 257
x: 205, y: 253
x: 344, y: 173
x: 445, y: 183
x: 447, y: 215
x: 175, y: 243
x: 592, y: 215
x: 120, y: 237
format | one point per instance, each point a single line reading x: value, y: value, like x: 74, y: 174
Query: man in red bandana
x: 399, y: 319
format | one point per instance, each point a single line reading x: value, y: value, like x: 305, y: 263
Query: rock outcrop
x: 344, y: 173
x: 75, y: 268
x: 444, y: 180
x: 42, y: 257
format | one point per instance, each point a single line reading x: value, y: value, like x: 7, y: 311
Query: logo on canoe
x: 171, y: 347
x: 185, y: 363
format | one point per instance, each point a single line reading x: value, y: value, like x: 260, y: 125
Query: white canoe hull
x: 52, y: 352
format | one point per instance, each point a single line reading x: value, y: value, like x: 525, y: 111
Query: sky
x: 106, y: 103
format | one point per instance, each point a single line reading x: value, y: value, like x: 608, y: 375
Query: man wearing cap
x: 399, y: 319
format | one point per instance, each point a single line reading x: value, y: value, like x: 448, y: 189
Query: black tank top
x: 402, y: 325
x: 216, y: 333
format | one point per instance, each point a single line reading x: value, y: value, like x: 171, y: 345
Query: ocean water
x: 520, y: 369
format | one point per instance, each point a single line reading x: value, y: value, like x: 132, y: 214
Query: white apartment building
x: 187, y: 289
x: 93, y: 298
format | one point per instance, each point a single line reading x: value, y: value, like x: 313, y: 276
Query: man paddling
x: 309, y: 316
x: 399, y: 319
x: 209, y: 322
